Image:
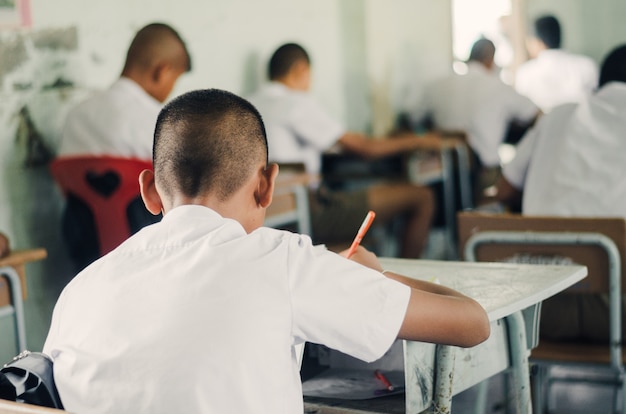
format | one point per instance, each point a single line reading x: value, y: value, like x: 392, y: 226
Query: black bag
x: 28, y: 378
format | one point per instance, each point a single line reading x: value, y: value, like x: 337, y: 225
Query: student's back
x: 577, y: 167
x: 571, y: 162
x: 196, y: 291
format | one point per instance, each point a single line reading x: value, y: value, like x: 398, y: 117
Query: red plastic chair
x: 93, y: 180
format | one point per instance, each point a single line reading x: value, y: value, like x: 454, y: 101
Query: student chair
x: 13, y: 289
x: 599, y: 244
x: 290, y: 204
x: 107, y: 185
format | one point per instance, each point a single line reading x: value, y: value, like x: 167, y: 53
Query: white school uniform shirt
x: 480, y: 104
x: 298, y: 128
x: 556, y: 77
x: 119, y: 121
x: 193, y: 315
x: 573, y: 162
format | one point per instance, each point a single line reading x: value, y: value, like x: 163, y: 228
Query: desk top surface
x: 501, y: 288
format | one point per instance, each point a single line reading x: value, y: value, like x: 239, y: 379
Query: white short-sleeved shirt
x: 193, y: 315
x: 119, y: 121
x: 572, y: 162
x: 298, y: 128
x: 556, y: 77
x: 480, y: 104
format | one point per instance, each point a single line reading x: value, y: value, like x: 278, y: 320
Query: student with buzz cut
x: 119, y: 122
x: 200, y: 312
x: 300, y: 131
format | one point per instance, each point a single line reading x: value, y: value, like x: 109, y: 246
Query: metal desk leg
x: 444, y: 376
x: 465, y: 184
x: 17, y: 305
x: 447, y: 178
x: 519, y: 354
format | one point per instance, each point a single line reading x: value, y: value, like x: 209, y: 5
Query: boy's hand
x: 364, y: 257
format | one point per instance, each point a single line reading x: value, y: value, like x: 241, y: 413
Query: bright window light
x: 473, y: 19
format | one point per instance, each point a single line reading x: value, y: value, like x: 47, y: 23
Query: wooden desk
x: 14, y: 292
x: 511, y: 294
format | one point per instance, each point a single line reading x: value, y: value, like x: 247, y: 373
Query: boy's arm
x: 383, y: 147
x: 441, y: 315
x: 506, y: 193
x: 435, y: 313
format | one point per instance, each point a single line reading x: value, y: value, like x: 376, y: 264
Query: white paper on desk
x: 352, y: 384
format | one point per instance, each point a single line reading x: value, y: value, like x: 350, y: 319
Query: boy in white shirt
x: 201, y: 311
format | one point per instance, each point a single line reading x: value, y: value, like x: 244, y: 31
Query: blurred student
x: 300, y: 131
x: 208, y: 277
x: 480, y: 105
x: 554, y: 76
x: 120, y: 122
x: 571, y: 164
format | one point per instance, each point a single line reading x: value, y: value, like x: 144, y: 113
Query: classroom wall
x: 370, y: 57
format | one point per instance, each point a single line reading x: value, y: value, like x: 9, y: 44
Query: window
x: 497, y: 20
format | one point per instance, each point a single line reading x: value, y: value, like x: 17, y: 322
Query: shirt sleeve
x: 516, y: 170
x: 312, y: 124
x: 350, y: 308
x: 521, y: 108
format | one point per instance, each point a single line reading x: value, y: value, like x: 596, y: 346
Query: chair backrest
x: 578, y: 241
x: 290, y: 204
x: 107, y: 185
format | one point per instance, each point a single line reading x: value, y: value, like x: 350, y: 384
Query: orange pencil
x: 361, y: 233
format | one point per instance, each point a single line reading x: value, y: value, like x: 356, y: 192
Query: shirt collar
x: 132, y: 87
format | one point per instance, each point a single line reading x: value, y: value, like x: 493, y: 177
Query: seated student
x: 119, y: 122
x: 553, y: 76
x: 479, y: 104
x: 299, y: 130
x: 572, y: 164
x: 5, y: 248
x: 200, y: 312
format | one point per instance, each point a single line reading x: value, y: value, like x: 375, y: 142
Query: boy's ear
x: 265, y: 191
x: 149, y: 194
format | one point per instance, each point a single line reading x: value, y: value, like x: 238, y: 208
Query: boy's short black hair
x: 614, y: 66
x: 149, y: 42
x: 283, y: 59
x: 207, y: 141
x: 483, y: 50
x: 548, y: 30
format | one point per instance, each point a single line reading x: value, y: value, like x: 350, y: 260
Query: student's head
x: 210, y: 148
x: 546, y: 34
x: 290, y: 64
x: 483, y: 51
x: 157, y: 56
x: 614, y: 66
